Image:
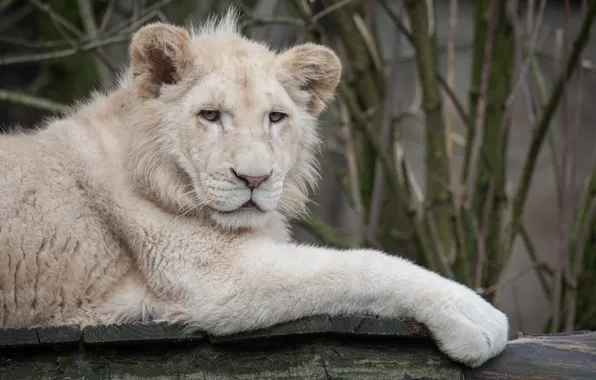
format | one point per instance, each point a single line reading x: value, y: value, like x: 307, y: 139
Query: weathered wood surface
x: 543, y: 357
x: 313, y: 348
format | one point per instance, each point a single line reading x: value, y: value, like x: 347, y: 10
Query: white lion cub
x: 168, y: 199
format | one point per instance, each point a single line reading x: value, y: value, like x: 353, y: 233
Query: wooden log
x: 320, y: 347
x: 543, y: 357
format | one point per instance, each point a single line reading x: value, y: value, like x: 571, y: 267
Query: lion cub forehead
x: 232, y: 52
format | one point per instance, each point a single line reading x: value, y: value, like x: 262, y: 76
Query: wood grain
x: 137, y: 333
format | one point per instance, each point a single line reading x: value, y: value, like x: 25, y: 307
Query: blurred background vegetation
x: 460, y: 136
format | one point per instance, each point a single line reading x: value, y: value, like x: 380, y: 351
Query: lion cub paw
x: 467, y: 328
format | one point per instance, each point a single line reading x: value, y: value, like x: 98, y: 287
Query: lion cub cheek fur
x: 142, y: 147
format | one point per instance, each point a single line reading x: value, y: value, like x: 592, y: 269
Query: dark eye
x: 276, y: 117
x: 210, y: 115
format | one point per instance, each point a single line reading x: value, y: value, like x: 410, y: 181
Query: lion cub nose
x: 251, y: 181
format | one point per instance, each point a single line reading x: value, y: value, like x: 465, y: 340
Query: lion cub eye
x: 210, y: 115
x: 276, y: 117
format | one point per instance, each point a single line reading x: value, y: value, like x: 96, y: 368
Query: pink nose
x: 251, y: 181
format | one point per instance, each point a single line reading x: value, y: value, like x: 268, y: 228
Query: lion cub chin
x: 167, y: 198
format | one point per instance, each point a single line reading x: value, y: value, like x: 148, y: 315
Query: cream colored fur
x: 129, y: 210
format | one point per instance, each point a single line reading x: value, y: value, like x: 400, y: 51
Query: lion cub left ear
x: 313, y: 69
x: 160, y: 54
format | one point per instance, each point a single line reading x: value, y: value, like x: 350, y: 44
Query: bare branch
x: 390, y: 102
x: 461, y: 111
x: 107, y: 15
x: 499, y: 285
x: 330, y: 9
x: 453, y: 8
x: 27, y: 58
x: 55, y: 17
x: 534, y: 258
x: 90, y: 26
x: 146, y: 14
x: 531, y: 47
x: 486, y: 67
x: 351, y: 159
x: 60, y: 22
x: 325, y: 232
x: 541, y: 126
x: 584, y: 63
x: 32, y: 101
x: 260, y: 21
x: 579, y: 255
x: 33, y: 44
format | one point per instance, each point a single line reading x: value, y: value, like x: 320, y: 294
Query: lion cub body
x: 60, y: 258
x: 167, y: 199
x: 65, y: 259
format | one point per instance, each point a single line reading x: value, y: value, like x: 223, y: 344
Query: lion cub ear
x: 160, y: 54
x: 312, y: 68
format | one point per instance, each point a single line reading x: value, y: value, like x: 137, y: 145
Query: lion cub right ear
x: 160, y: 54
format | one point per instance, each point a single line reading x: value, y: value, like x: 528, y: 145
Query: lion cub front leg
x: 270, y: 283
x: 255, y: 282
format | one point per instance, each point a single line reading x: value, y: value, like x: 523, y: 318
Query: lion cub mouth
x: 250, y: 204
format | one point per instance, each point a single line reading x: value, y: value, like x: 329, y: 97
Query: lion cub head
x: 237, y: 119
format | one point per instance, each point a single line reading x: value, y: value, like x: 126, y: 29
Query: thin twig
x: 136, y: 6
x: 390, y: 102
x: 281, y: 20
x: 486, y: 67
x: 107, y: 15
x: 90, y: 26
x: 393, y: 180
x: 584, y: 63
x: 562, y: 259
x: 269, y: 28
x: 530, y: 53
x: 27, y: 58
x: 325, y: 232
x: 350, y: 156
x: 371, y: 46
x: 60, y: 22
x: 541, y: 126
x: 453, y: 8
x: 486, y: 214
x: 129, y: 24
x: 553, y: 139
x: 461, y: 111
x: 33, y: 44
x: 480, y: 247
x: 501, y: 284
x: 32, y: 101
x: 579, y: 255
x: 534, y: 258
x: 15, y: 17
x: 437, y: 172
x: 54, y: 16
x: 441, y: 254
x: 330, y: 9
x: 574, y: 269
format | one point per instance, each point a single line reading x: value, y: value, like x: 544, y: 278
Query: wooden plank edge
x: 40, y: 336
x: 352, y: 325
x: 136, y: 333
